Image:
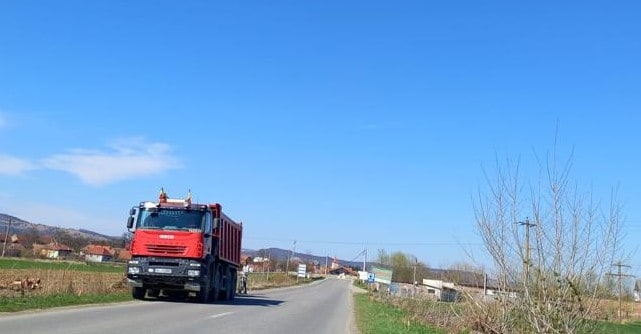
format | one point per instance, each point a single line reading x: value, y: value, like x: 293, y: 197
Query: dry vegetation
x: 259, y: 281
x: 463, y: 317
x: 55, y: 282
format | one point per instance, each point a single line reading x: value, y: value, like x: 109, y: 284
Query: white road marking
x: 220, y: 315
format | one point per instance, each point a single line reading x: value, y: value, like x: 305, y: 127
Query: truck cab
x: 176, y: 249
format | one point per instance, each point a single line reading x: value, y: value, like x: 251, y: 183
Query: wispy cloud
x: 10, y: 165
x: 125, y: 159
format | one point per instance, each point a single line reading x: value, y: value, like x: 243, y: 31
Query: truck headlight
x: 133, y: 270
x: 193, y: 273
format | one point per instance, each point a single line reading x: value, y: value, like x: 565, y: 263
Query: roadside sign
x: 302, y: 270
x: 382, y: 275
x: 371, y: 277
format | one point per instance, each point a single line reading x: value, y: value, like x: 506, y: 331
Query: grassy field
x: 612, y: 328
x: 375, y: 317
x: 61, y: 284
x: 30, y: 264
x: 43, y: 302
x: 259, y: 281
x: 379, y: 314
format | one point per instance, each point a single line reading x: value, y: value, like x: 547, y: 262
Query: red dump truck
x: 181, y: 249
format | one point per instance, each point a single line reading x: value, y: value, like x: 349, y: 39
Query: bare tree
x: 467, y: 267
x: 551, y: 245
x: 383, y: 257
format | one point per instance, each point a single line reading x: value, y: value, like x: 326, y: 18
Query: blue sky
x: 339, y: 124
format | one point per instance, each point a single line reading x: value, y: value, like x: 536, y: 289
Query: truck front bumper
x: 139, y: 283
x: 161, y: 273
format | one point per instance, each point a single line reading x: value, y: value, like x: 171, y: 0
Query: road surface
x: 321, y: 307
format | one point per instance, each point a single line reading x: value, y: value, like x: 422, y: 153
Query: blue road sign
x: 371, y: 277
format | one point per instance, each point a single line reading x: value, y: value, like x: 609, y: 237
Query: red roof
x: 99, y: 250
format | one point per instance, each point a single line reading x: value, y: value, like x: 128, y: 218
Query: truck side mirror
x: 130, y: 222
x: 216, y: 223
x: 132, y: 211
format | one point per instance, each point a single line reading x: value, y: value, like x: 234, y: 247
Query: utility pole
x: 326, y: 258
x: 620, y: 276
x: 526, y: 261
x: 269, y: 263
x: 6, y: 236
x: 365, y: 260
x: 415, y: 265
x: 288, y: 258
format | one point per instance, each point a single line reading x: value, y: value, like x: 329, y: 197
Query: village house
x: 12, y: 247
x: 98, y: 253
x: 52, y: 251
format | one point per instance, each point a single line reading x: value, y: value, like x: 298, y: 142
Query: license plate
x: 163, y: 271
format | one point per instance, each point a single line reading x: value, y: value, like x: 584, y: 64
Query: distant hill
x: 280, y: 254
x: 20, y: 226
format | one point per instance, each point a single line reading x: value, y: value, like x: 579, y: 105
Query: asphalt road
x: 322, y: 307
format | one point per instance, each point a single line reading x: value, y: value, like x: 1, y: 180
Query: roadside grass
x: 443, y: 317
x: 61, y: 283
x: 261, y: 281
x: 43, y: 302
x: 374, y: 317
x: 614, y: 328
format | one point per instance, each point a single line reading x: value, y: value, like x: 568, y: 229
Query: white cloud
x: 127, y: 159
x: 10, y: 165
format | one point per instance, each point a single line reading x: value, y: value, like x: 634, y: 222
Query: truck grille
x: 166, y: 249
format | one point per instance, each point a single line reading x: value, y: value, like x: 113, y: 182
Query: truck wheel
x: 205, y: 290
x: 215, y: 290
x: 232, y: 285
x: 224, y: 283
x: 138, y: 293
x: 229, y: 287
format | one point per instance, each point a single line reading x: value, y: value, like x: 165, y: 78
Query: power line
x: 526, y: 260
x: 370, y: 243
x: 620, y: 275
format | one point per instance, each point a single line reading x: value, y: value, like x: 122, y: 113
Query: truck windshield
x: 168, y: 219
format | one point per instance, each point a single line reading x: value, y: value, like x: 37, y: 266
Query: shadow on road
x: 249, y: 300
x: 241, y: 300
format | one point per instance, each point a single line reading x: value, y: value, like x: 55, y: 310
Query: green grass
x: 43, y: 302
x: 13, y: 263
x: 379, y: 318
x: 614, y: 328
x: 259, y: 281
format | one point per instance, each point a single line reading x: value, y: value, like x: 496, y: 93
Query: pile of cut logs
x: 22, y: 285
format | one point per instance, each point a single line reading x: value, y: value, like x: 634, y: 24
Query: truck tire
x: 233, y: 284
x: 138, y: 293
x: 224, y: 284
x: 215, y: 290
x: 205, y: 289
x: 229, y: 287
